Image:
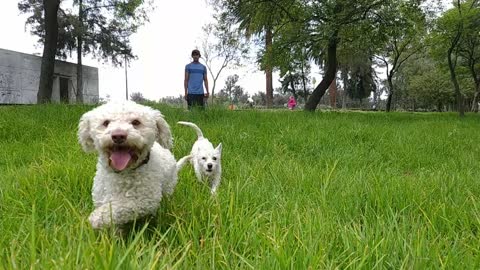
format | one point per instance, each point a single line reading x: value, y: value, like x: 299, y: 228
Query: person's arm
x: 185, y: 84
x: 205, y: 80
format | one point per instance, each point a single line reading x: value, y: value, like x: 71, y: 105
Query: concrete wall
x: 20, y: 76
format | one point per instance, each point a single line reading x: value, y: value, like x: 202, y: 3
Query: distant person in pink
x: 292, y: 103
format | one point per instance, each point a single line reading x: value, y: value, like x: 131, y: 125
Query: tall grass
x: 344, y: 190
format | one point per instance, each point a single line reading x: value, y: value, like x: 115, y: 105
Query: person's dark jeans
x: 195, y: 100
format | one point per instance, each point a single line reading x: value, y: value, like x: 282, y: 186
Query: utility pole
x: 126, y: 77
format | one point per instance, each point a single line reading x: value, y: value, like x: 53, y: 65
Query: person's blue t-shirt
x: 196, y: 72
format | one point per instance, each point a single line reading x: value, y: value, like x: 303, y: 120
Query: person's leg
x: 189, y: 101
x: 197, y: 101
x: 202, y: 101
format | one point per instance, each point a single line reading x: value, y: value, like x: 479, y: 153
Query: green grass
x: 324, y: 190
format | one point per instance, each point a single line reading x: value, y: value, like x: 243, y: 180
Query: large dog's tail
x: 192, y: 125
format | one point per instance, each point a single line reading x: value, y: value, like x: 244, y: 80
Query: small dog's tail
x: 192, y: 125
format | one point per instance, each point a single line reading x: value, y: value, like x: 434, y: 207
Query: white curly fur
x: 135, y: 167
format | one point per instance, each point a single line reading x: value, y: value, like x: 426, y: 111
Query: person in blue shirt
x: 195, y: 77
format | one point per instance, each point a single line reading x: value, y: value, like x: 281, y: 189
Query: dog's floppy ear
x: 84, y: 136
x: 219, y: 148
x: 164, y: 135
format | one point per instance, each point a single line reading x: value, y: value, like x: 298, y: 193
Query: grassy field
x: 345, y: 190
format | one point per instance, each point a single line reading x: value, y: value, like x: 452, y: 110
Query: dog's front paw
x: 96, y: 220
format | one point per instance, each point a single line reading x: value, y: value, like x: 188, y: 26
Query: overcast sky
x: 163, y: 47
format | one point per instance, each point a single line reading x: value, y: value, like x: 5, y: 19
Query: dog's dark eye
x: 204, y: 158
x: 106, y: 123
x: 135, y: 123
x: 214, y: 158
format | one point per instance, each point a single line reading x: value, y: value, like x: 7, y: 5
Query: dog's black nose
x: 119, y: 137
x: 209, y: 165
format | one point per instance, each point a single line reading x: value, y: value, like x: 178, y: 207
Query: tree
x: 469, y: 50
x: 330, y: 23
x: 260, y: 98
x: 280, y: 100
x: 295, y: 68
x: 222, y: 44
x: 402, y: 28
x: 361, y: 83
x: 138, y: 97
x: 430, y: 89
x: 177, y: 101
x: 100, y: 27
x: 450, y: 34
x: 355, y: 62
x: 258, y: 18
x: 423, y: 84
x: 231, y: 90
x: 290, y: 83
x: 320, y: 25
x: 49, y: 30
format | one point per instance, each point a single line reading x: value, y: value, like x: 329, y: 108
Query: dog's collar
x: 145, y: 161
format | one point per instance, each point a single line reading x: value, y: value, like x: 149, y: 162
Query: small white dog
x: 135, y: 167
x: 206, y: 159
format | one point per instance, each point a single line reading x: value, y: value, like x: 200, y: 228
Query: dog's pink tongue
x: 120, y: 159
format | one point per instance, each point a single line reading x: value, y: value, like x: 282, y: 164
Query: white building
x: 20, y: 76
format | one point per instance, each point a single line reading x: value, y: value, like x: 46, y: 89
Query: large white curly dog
x: 206, y: 159
x: 133, y: 170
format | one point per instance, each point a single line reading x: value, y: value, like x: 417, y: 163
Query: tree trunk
x: 390, y: 94
x: 453, y: 78
x: 294, y: 91
x: 79, y: 96
x: 45, y: 85
x: 268, y: 70
x: 476, y: 80
x: 475, y: 100
x: 332, y: 90
x: 330, y: 73
x: 212, y: 99
x: 304, y: 84
x: 126, y: 76
x: 345, y: 82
